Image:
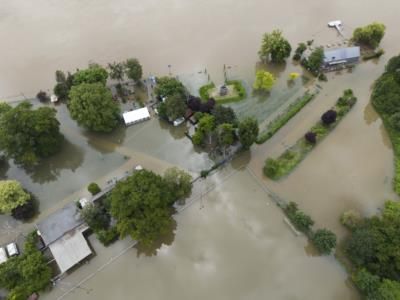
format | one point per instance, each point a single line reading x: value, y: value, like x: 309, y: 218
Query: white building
x: 136, y: 116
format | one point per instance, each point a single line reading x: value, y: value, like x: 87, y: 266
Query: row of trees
x: 373, y: 249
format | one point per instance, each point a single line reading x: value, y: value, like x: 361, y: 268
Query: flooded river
x: 236, y: 247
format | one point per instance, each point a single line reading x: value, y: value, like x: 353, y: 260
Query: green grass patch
x: 282, y: 119
x: 289, y: 159
x: 205, y: 90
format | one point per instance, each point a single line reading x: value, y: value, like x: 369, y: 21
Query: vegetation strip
x: 285, y: 117
x: 240, y: 92
x: 284, y: 164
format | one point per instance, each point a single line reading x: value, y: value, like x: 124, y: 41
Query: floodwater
x: 236, y: 247
x: 232, y: 244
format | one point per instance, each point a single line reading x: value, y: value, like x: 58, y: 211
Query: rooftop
x: 59, y: 223
x: 341, y: 54
x: 137, y: 115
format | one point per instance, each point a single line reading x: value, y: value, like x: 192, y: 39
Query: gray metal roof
x: 60, y: 222
x: 341, y: 54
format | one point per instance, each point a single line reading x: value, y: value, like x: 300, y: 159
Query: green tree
x: 225, y: 135
x: 275, y: 47
x: 94, y: 74
x: 324, y: 240
x: 271, y: 167
x: 248, y: 132
x: 314, y: 61
x: 141, y: 206
x: 117, y: 71
x: 168, y: 86
x: 370, y: 35
x: 96, y: 217
x: 388, y: 290
x: 351, y: 219
x: 366, y: 282
x: 27, y: 135
x: 224, y: 115
x: 264, y: 81
x: 207, y: 125
x: 92, y: 106
x: 12, y: 195
x: 94, y: 188
x: 198, y: 137
x: 61, y: 89
x: 133, y: 69
x: 179, y: 182
x: 302, y: 221
x: 175, y: 106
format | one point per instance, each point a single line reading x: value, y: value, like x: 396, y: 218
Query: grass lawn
x: 236, y: 92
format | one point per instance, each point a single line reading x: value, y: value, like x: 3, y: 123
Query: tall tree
x: 175, y: 106
x: 117, y: 71
x: 168, y: 86
x: 275, y: 47
x: 226, y: 135
x: 179, y: 182
x: 264, y: 81
x: 248, y: 132
x: 94, y: 74
x: 370, y: 35
x: 141, y: 206
x: 207, y: 125
x: 133, y: 69
x: 224, y: 114
x: 92, y: 106
x: 12, y: 195
x: 27, y: 135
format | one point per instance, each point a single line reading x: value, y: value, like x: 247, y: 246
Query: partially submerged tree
x: 94, y: 188
x: 179, y: 182
x: 225, y: 135
x: 12, y: 195
x: 248, y: 132
x: 370, y: 35
x: 224, y: 114
x: 329, y: 117
x: 207, y: 126
x: 311, y: 137
x: 27, y: 135
x: 117, y: 71
x: 175, y: 106
x: 133, y: 69
x: 324, y: 240
x: 168, y: 86
x: 275, y: 47
x: 264, y: 81
x: 94, y: 74
x: 314, y: 62
x: 92, y: 106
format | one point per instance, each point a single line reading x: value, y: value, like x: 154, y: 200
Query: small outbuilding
x: 341, y: 57
x: 136, y: 116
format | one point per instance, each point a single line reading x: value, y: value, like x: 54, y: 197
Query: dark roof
x: 341, y: 54
x: 59, y: 223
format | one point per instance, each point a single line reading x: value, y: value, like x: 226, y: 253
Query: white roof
x: 3, y: 255
x: 136, y: 115
x: 12, y: 249
x: 83, y: 202
x: 70, y: 250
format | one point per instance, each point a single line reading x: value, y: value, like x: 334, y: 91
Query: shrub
x: 94, y: 188
x: 96, y: 217
x: 370, y: 35
x: 42, y: 96
x: 296, y: 57
x: 302, y: 221
x: 271, y: 167
x: 311, y: 137
x: 26, y: 211
x: 107, y: 236
x: 324, y: 240
x: 350, y: 219
x: 329, y: 117
x: 322, y: 77
x: 198, y: 115
x: 198, y: 137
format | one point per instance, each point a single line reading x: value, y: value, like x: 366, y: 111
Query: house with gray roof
x: 340, y: 57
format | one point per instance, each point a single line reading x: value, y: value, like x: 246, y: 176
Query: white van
x: 12, y: 249
x: 3, y: 255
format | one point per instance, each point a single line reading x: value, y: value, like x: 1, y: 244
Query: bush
x: 370, y: 35
x: 204, y: 90
x: 329, y: 117
x: 350, y: 219
x: 302, y: 221
x: 324, y: 240
x: 94, y: 188
x: 107, y: 236
x: 311, y: 137
x: 198, y: 137
x: 42, y: 96
x: 96, y: 217
x: 322, y: 77
x: 26, y: 211
x: 296, y: 57
x: 271, y: 168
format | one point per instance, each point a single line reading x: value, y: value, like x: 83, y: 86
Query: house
x: 341, y: 57
x: 62, y: 232
x: 136, y: 116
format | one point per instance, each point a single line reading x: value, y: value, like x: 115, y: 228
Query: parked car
x: 179, y: 121
x: 3, y: 255
x: 12, y: 249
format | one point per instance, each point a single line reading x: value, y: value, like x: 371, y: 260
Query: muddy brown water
x: 213, y: 257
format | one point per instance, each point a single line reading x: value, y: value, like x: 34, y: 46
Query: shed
x: 136, y: 116
x: 341, y: 56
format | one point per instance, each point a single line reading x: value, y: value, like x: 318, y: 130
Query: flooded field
x: 236, y: 246
x: 232, y: 244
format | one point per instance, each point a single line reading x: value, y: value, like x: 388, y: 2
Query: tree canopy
x: 133, y: 69
x: 314, y: 62
x: 224, y: 114
x: 12, y: 195
x: 168, y: 86
x: 275, y: 47
x: 175, y: 106
x: 141, y: 205
x: 264, y: 81
x: 248, y: 132
x: 26, y: 135
x: 117, y: 71
x: 92, y: 106
x: 225, y: 135
x: 94, y: 74
x: 25, y: 274
x: 324, y: 240
x: 179, y: 182
x: 370, y: 35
